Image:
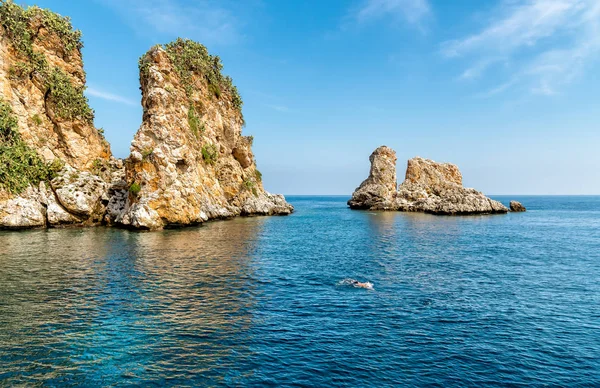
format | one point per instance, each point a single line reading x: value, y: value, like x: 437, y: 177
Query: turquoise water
x: 457, y: 301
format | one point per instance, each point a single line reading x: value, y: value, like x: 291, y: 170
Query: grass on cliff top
x: 20, y: 165
x: 191, y: 58
x: 18, y: 24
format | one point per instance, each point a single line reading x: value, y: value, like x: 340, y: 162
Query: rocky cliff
x: 189, y: 161
x: 428, y: 187
x: 42, y: 80
x: 55, y: 166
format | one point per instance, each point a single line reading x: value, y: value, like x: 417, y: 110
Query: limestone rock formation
x: 46, y: 126
x: 378, y: 191
x: 428, y: 187
x: 42, y: 79
x: 189, y: 161
x: 516, y: 206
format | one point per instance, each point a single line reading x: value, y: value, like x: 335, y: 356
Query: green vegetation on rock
x: 135, y: 188
x: 18, y: 22
x: 37, y: 120
x: 69, y: 100
x: 189, y: 58
x: 20, y: 166
x: 210, y: 153
x: 22, y: 27
x: 196, y: 124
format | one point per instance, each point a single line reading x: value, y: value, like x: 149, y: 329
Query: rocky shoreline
x: 189, y: 162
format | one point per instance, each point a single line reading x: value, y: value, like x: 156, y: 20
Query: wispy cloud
x: 413, y: 12
x: 279, y: 108
x: 547, y: 43
x: 110, y: 97
x: 203, y: 20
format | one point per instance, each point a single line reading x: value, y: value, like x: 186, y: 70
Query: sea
x: 499, y: 300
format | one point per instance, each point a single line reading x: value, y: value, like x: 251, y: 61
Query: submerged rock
x: 189, y: 162
x: 516, y: 206
x: 429, y: 187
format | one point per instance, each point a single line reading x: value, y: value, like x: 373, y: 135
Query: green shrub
x: 20, y: 70
x: 55, y: 167
x: 99, y: 166
x: 258, y: 175
x: 20, y: 166
x: 215, y: 90
x: 69, y: 100
x: 147, y: 152
x: 191, y: 58
x: 196, y: 125
x: 18, y: 24
x: 251, y: 186
x: 37, y: 120
x: 8, y: 124
x: 135, y: 188
x: 144, y: 64
x: 210, y: 153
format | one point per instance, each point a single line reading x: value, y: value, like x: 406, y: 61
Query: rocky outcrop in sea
x: 517, y: 207
x: 429, y: 187
x: 189, y: 162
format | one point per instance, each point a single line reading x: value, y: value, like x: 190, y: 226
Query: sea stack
x: 56, y: 168
x: 189, y: 162
x: 429, y: 187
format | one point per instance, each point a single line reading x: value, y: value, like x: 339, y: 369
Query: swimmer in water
x: 357, y: 284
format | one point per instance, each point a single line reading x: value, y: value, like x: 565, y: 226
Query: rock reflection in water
x: 100, y: 305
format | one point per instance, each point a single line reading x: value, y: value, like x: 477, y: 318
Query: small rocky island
x: 429, y: 187
x: 189, y: 162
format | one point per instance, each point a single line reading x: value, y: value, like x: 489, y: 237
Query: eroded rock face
x: 429, y: 187
x: 73, y: 140
x: 516, y: 206
x: 80, y: 193
x: 189, y: 162
x: 24, y: 211
x: 44, y: 108
x: 378, y: 191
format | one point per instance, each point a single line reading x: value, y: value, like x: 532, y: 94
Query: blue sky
x: 506, y: 89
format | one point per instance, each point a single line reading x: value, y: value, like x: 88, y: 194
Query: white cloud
x: 279, y: 108
x: 110, y: 97
x: 409, y: 11
x: 547, y: 42
x: 207, y: 21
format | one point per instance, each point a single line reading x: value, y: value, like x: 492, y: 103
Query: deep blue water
x: 458, y: 301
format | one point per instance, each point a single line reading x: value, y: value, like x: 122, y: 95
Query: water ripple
x: 461, y: 301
